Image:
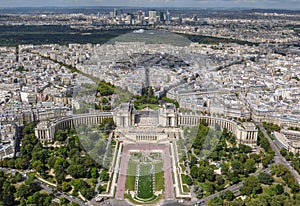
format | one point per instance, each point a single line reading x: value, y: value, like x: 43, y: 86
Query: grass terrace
x: 159, y: 177
x: 145, y: 178
x: 131, y: 175
x: 145, y: 181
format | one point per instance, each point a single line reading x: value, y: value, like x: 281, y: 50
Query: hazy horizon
x: 253, y: 4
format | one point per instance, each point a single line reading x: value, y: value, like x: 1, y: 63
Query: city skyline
x: 264, y: 4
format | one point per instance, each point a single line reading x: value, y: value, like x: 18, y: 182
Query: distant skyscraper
x: 152, y: 14
x: 180, y: 20
x: 115, y: 12
x: 152, y: 17
x: 195, y: 18
x: 161, y: 16
x: 119, y: 12
x: 129, y: 19
x: 139, y: 15
x: 168, y: 17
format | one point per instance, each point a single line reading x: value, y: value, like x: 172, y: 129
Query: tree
x: 79, y: 184
x: 244, y: 148
x: 104, y: 101
x: 236, y: 202
x: 234, y: 177
x: 61, y: 135
x: 283, y: 152
x: 64, y: 201
x: 60, y: 176
x: 22, y: 202
x: 23, y: 191
x: 242, y: 157
x: 104, y: 175
x: 224, y: 168
x: 34, y: 187
x: 105, y: 89
x: 229, y: 195
x: 251, y: 186
x: 215, y: 156
x: 29, y: 128
x: 237, y: 166
x: 295, y: 187
x: 107, y: 124
x: 255, y: 202
x: 219, y: 179
x: 278, y: 200
x: 210, y: 188
x: 18, y: 177
x: 39, y: 153
x: 194, y: 160
x: 41, y: 199
x: 201, y: 136
x: 74, y: 204
x: 188, y: 180
x: 215, y: 201
x: 38, y: 166
x: 255, y: 157
x: 199, y: 194
x: 279, y: 169
x: 263, y: 142
x: 265, y: 178
x: 289, y: 156
x: 8, y: 199
x: 209, y: 174
x: 22, y: 163
x: 88, y: 193
x: 201, y: 177
x: 194, y: 171
x: 77, y: 171
x: 279, y: 189
x: 250, y: 166
x: 66, y: 187
x: 101, y: 189
x: 30, y: 180
x: 60, y: 164
x: 267, y: 160
x: 94, y: 173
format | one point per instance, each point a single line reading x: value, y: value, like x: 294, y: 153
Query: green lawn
x: 131, y: 173
x: 183, y: 179
x: 183, y: 168
x: 159, y: 177
x: 186, y: 188
x: 151, y: 106
x: 145, y: 182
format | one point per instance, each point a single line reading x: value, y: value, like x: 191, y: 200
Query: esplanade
x: 154, y: 128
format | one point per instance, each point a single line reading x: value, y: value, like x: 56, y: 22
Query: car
x: 181, y: 201
x: 99, y: 199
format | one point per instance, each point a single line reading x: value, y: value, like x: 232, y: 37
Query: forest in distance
x: 56, y: 34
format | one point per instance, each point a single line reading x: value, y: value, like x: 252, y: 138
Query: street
x: 279, y: 159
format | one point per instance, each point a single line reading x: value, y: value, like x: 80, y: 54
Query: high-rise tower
x: 168, y: 17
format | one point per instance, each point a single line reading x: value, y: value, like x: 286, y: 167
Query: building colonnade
x: 45, y: 130
x: 245, y: 133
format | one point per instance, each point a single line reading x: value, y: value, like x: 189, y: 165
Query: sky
x: 277, y: 4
